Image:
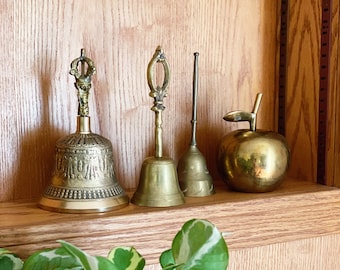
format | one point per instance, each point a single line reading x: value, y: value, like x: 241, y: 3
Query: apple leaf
x: 126, y: 258
x: 197, y: 246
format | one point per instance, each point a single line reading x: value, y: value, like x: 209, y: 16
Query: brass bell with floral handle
x: 84, y: 178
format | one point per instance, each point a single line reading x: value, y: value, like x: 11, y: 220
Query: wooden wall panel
x: 303, y: 86
x: 237, y: 41
x: 306, y: 254
x: 333, y: 145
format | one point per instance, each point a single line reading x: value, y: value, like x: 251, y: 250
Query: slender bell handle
x: 194, y: 100
x: 158, y: 93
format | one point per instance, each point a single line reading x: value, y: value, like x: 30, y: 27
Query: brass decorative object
x: 158, y: 183
x: 252, y: 160
x: 194, y: 177
x: 84, y: 179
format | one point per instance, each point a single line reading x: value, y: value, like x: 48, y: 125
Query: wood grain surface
x: 251, y: 224
x: 237, y: 42
x: 333, y: 144
x: 303, y: 86
x: 303, y: 83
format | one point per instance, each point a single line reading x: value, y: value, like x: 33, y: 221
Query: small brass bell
x: 194, y: 177
x: 158, y: 183
x: 84, y: 179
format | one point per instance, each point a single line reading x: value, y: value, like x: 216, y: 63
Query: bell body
x: 84, y: 179
x: 158, y: 184
x: 253, y: 161
x: 193, y: 174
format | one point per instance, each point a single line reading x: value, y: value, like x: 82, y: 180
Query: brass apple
x: 252, y: 160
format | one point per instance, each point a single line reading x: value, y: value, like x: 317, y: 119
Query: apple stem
x: 257, y: 103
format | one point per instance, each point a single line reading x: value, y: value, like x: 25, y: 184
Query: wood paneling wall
x: 238, y: 46
x: 303, y: 86
x: 238, y: 42
x: 333, y: 145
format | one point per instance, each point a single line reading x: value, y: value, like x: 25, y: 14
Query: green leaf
x: 52, y: 259
x: 9, y: 261
x: 87, y: 261
x: 199, y: 246
x: 4, y: 251
x: 126, y: 258
x: 105, y: 264
x: 167, y: 260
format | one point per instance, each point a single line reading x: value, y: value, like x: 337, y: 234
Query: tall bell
x: 84, y: 178
x: 158, y: 183
x: 194, y: 177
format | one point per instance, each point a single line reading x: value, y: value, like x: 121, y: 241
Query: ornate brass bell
x: 84, y: 179
x: 194, y: 177
x: 158, y: 183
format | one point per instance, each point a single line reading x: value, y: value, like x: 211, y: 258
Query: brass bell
x: 84, y: 179
x: 194, y: 177
x: 158, y: 183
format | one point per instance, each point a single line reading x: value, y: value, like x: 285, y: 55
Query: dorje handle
x: 83, y: 81
x: 158, y: 93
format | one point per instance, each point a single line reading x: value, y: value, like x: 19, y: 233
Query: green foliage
x: 9, y: 261
x: 197, y: 246
x: 88, y: 262
x: 55, y: 259
x: 126, y: 258
x: 167, y: 260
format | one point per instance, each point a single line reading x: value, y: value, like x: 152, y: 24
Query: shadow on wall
x: 37, y: 152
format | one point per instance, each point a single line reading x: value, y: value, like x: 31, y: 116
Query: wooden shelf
x: 296, y: 210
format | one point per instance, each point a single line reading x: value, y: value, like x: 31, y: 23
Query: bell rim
x: 83, y: 206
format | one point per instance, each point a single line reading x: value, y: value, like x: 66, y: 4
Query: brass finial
x: 158, y: 93
x: 83, y: 81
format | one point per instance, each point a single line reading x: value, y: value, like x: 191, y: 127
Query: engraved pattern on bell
x: 84, y: 157
x: 83, y: 193
x: 83, y: 161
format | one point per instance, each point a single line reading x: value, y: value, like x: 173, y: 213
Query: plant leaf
x: 52, y: 259
x: 9, y: 261
x: 105, y: 264
x: 199, y: 246
x: 4, y: 251
x: 126, y: 258
x: 87, y: 261
x: 167, y: 260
